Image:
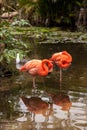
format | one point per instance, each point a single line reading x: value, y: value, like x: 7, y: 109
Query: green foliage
x: 9, y: 55
x: 25, y: 2
x: 4, y: 23
x: 6, y: 36
x: 11, y: 43
x: 20, y: 23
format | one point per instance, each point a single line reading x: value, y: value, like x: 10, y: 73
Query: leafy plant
x: 20, y: 23
x: 9, y: 55
x: 11, y: 43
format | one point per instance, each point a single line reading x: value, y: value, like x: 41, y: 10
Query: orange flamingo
x: 62, y: 59
x: 37, y: 67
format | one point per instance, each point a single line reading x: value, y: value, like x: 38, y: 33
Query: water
x: 49, y: 107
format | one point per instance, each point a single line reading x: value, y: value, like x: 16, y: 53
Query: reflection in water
x: 52, y: 110
x: 39, y: 109
x: 65, y: 111
x: 55, y: 108
x: 61, y: 110
x: 78, y: 113
x: 45, y: 114
x: 63, y: 101
x: 35, y: 105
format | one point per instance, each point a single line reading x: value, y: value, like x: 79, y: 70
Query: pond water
x: 50, y: 107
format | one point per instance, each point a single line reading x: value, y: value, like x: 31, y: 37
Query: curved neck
x: 47, y: 63
x: 45, y: 67
x: 69, y: 59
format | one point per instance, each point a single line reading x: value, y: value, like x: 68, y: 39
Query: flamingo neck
x: 46, y: 67
x: 69, y: 57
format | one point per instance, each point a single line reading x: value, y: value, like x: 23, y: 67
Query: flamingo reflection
x: 63, y: 101
x: 36, y: 106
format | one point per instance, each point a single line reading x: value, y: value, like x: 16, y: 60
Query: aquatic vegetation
x: 20, y: 23
x: 16, y: 39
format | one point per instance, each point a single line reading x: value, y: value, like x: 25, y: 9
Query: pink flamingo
x: 63, y: 60
x: 37, y: 67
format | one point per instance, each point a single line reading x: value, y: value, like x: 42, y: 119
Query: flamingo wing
x: 31, y: 66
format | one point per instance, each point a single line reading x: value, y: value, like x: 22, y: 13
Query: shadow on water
x: 50, y: 107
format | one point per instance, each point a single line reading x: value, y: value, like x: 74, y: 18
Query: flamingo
x: 63, y: 60
x: 37, y: 67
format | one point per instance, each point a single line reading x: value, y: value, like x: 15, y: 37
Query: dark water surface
x: 50, y: 107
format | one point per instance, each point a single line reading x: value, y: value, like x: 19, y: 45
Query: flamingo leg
x: 60, y: 77
x: 34, y: 85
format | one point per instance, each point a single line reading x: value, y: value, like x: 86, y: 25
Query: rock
x: 9, y: 14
